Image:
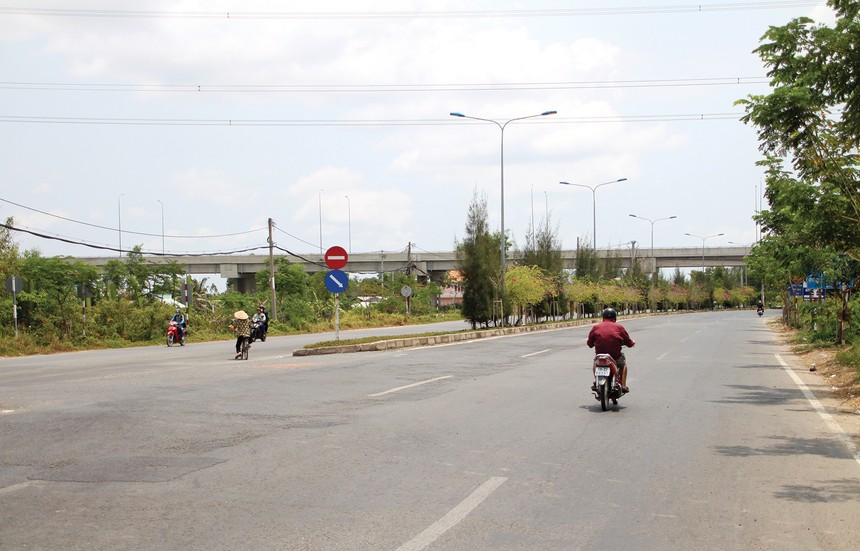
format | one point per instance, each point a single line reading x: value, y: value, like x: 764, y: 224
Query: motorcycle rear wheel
x: 603, y: 390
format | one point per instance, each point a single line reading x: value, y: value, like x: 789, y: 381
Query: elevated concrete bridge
x: 433, y: 264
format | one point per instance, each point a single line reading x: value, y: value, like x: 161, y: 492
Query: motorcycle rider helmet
x: 610, y: 314
x: 178, y: 311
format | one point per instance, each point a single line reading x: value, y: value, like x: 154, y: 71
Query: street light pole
x: 653, y: 258
x: 594, y: 204
x: 119, y: 219
x: 502, y: 126
x: 320, y: 208
x: 162, y: 226
x: 703, y: 238
x: 349, y: 222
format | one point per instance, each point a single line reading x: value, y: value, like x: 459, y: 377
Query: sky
x: 183, y: 126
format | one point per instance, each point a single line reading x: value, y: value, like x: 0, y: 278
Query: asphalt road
x: 494, y: 444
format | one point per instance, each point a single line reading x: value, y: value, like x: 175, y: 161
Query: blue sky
x: 333, y: 119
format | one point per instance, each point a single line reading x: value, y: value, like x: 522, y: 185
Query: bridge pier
x: 246, y: 283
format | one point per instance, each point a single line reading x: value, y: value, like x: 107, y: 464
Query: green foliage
x: 543, y: 251
x: 479, y: 264
x: 290, y: 280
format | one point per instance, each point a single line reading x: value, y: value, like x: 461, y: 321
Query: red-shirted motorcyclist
x: 607, y: 337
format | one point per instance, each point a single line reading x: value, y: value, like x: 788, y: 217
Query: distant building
x: 452, y: 295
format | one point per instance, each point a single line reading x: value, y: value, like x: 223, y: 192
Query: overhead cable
x: 129, y: 231
x: 367, y: 88
x: 353, y: 122
x: 118, y: 250
x: 424, y: 14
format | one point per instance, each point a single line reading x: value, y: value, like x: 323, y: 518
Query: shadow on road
x: 784, y: 446
x: 766, y: 396
x: 845, y: 490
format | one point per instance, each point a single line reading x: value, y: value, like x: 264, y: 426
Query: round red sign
x: 336, y: 257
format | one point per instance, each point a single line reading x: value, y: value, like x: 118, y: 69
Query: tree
x: 8, y: 250
x: 52, y: 298
x: 137, y: 279
x: 479, y: 264
x: 812, y: 120
x: 544, y: 251
x: 290, y: 279
x: 527, y: 285
x: 587, y: 265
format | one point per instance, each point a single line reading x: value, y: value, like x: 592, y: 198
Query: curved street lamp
x: 502, y: 126
x: 653, y: 258
x: 703, y: 238
x: 594, y: 204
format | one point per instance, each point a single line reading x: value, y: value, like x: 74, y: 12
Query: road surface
x: 726, y: 441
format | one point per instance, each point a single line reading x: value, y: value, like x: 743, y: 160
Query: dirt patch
x: 841, y: 379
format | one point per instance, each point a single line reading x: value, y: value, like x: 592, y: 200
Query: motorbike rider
x: 760, y: 306
x: 263, y: 319
x: 180, y: 322
x: 607, y: 337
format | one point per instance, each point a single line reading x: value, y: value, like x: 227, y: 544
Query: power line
x: 321, y: 123
x: 118, y: 250
x: 128, y: 231
x: 294, y: 237
x: 379, y: 88
x: 429, y: 14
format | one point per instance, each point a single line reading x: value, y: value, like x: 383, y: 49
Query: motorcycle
x: 606, y: 385
x: 759, y: 311
x: 175, y: 334
x: 258, y: 331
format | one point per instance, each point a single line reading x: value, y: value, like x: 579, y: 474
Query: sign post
x: 13, y: 285
x: 336, y: 281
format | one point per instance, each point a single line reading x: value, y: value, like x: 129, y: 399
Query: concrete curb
x: 431, y: 340
x: 412, y: 342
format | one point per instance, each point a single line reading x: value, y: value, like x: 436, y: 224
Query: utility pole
x: 409, y: 259
x: 272, y: 272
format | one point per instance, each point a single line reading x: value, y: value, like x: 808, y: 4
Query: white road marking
x: 663, y: 355
x: 816, y: 405
x: 454, y: 516
x: 20, y: 486
x: 393, y: 390
x: 536, y: 353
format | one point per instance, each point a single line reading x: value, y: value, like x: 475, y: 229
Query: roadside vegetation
x: 808, y: 129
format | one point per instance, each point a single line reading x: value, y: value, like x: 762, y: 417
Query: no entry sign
x: 336, y: 257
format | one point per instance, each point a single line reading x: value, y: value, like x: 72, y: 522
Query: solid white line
x: 816, y: 405
x: 453, y: 517
x: 536, y: 353
x: 392, y: 390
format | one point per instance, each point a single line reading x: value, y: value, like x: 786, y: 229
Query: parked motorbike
x: 606, y: 385
x: 175, y: 334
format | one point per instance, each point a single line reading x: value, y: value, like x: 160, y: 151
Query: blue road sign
x: 336, y: 281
